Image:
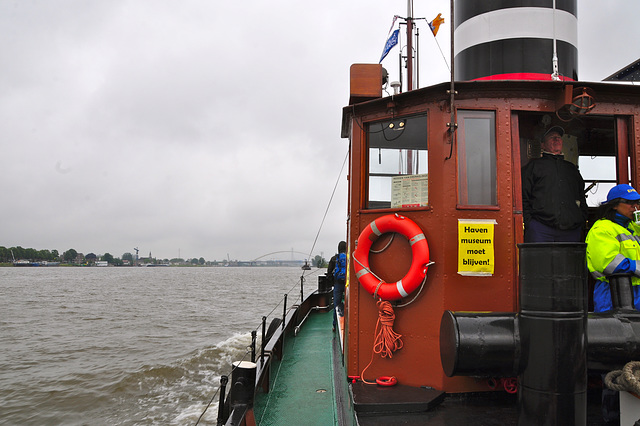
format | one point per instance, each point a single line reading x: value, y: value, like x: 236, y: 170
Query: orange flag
x: 435, y: 24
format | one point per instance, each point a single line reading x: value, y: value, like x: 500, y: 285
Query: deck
x: 304, y: 390
x: 308, y: 387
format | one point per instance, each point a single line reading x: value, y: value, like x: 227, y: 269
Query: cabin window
x: 599, y: 174
x: 397, y: 174
x: 591, y: 143
x: 477, y: 158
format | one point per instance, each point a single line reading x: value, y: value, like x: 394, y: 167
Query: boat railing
x: 253, y: 370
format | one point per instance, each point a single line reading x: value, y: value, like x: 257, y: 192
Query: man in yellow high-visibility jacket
x: 613, y: 245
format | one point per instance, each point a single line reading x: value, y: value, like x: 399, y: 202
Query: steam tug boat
x: 449, y: 317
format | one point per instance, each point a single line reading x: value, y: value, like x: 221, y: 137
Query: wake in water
x: 179, y: 393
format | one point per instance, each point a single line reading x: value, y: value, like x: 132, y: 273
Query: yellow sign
x: 476, y: 247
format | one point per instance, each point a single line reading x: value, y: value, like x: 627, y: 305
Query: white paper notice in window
x: 410, y: 191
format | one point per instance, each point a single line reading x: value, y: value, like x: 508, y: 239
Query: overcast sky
x: 204, y: 128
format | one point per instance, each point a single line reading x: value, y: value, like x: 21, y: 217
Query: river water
x: 129, y: 346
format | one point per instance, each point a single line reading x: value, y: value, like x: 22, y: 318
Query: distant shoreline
x: 67, y: 265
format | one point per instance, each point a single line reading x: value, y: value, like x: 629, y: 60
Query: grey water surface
x: 129, y: 345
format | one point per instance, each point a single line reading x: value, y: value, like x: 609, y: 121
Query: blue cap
x: 623, y: 191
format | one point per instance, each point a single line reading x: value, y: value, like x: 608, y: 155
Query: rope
x: 290, y: 291
x: 207, y: 407
x: 329, y: 204
x: 387, y: 341
x: 366, y: 269
x: 627, y: 379
x: 419, y: 290
x: 230, y: 375
x: 386, y: 246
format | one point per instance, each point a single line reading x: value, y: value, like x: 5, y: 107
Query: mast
x: 554, y: 61
x: 410, y: 87
x: 452, y: 91
x: 409, y: 45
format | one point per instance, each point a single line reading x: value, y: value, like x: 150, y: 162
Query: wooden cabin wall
x: 418, y: 362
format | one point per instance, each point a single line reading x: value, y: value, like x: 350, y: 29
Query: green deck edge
x: 302, y: 390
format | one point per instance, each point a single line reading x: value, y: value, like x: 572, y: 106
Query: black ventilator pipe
x: 614, y: 336
x: 614, y: 340
x: 621, y: 291
x: 480, y: 344
x: 488, y: 344
x: 553, y: 322
x: 544, y: 344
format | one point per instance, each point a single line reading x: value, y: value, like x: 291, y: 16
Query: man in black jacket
x: 555, y: 208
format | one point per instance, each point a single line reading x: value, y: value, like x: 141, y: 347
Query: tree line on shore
x: 71, y: 256
x: 9, y: 254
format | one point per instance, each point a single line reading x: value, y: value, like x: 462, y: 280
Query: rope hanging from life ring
x: 419, y: 263
x: 386, y: 339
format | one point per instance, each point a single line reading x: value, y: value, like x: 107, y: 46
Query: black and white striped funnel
x: 514, y: 39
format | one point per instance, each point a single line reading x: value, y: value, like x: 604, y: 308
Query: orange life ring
x: 419, y: 263
x: 387, y: 381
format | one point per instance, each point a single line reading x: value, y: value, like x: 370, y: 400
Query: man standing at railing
x: 553, y: 200
x: 337, y: 270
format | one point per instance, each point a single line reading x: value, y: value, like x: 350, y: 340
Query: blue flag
x: 392, y: 41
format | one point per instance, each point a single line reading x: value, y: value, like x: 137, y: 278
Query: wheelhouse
x: 453, y: 166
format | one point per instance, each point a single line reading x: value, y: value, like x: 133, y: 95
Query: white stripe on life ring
x: 401, y: 289
x: 417, y: 238
x: 375, y: 229
x: 362, y: 272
